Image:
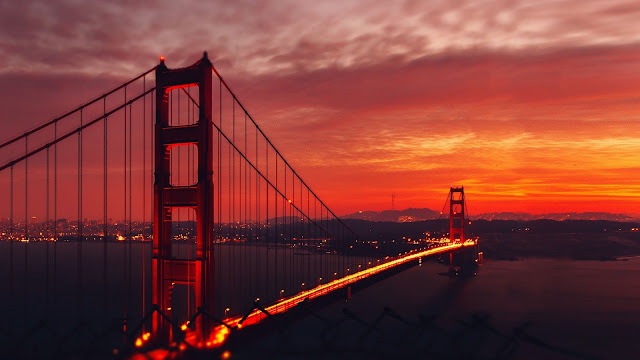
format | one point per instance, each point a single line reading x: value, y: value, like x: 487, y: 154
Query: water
x: 588, y: 307
x: 102, y: 284
x: 591, y: 307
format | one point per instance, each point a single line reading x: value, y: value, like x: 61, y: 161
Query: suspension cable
x: 273, y: 146
x: 70, y: 133
x: 55, y: 120
x: 266, y: 177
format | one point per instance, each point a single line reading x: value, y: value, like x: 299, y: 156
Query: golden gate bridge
x: 216, y: 231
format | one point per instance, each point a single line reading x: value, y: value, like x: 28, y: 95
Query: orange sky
x: 533, y: 107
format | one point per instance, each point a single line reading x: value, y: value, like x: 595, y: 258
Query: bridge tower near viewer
x: 196, y: 274
x: 456, y: 214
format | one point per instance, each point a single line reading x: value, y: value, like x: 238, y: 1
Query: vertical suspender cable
x: 26, y: 224
x: 284, y: 230
x: 258, y: 224
x: 322, y: 242
x: 268, y: 225
x: 309, y: 237
x: 220, y: 234
x: 295, y: 237
x: 124, y: 220
x: 105, y: 234
x: 232, y: 173
x: 11, y: 216
x: 55, y: 214
x: 48, y: 238
x: 292, y: 234
x: 79, y: 230
x: 285, y: 227
x: 247, y: 199
x: 289, y: 211
x: 11, y: 238
x: 144, y: 191
x: 230, y: 224
x: 275, y: 216
x: 129, y: 289
x: 303, y: 235
x: 245, y: 213
x: 318, y: 240
x: 323, y: 235
x: 293, y: 230
x: 240, y: 226
x: 230, y: 247
x: 334, y: 242
x: 151, y: 161
x: 340, y: 253
x: 328, y: 240
x: 26, y: 192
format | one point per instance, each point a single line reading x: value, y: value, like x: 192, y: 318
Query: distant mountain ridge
x: 413, y: 215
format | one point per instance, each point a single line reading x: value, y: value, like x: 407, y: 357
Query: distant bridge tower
x: 196, y: 274
x: 456, y: 214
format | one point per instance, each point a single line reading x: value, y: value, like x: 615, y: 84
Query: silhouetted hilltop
x: 413, y: 215
x: 406, y: 215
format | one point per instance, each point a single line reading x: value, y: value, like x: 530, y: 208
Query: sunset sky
x: 533, y: 106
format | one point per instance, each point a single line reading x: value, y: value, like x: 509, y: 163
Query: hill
x: 421, y: 214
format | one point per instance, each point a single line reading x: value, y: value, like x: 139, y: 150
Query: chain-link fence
x: 305, y: 332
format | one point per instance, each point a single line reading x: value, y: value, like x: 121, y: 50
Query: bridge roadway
x: 220, y: 333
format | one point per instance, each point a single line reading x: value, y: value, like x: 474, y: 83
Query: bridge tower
x: 456, y: 220
x: 456, y: 214
x: 196, y: 274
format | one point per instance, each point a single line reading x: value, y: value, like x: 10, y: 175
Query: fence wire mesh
x: 308, y: 333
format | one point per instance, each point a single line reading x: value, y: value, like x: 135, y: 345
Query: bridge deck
x: 221, y: 332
